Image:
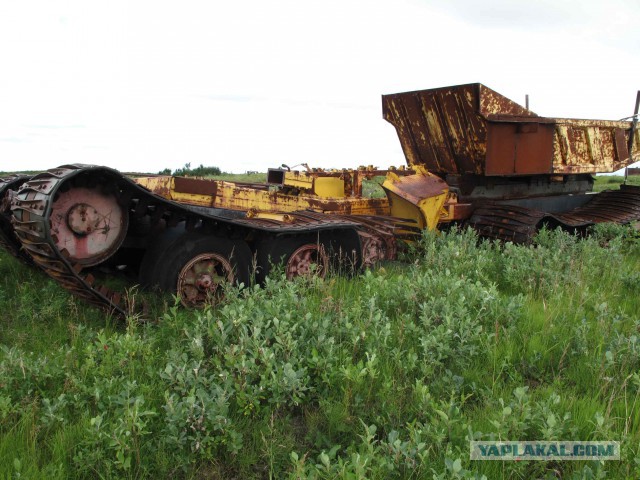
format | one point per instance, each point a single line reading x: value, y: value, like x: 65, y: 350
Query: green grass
x: 260, y: 177
x: 21, y: 172
x: 386, y: 374
x: 613, y: 182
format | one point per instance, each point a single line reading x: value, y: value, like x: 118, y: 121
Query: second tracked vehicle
x: 509, y: 170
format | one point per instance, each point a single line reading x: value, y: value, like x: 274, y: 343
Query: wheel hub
x: 200, y: 280
x: 83, y: 219
x: 204, y: 282
x: 89, y: 224
x: 307, y: 260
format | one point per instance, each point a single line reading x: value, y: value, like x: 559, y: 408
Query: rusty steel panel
x: 471, y: 129
x: 590, y: 146
x: 445, y: 129
x: 519, y: 148
x: 492, y: 103
x: 195, y: 186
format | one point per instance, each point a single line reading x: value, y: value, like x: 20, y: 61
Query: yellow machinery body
x: 412, y: 194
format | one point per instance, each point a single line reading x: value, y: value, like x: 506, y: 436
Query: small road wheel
x: 196, y: 266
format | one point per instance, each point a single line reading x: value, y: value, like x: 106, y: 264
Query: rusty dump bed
x: 471, y: 129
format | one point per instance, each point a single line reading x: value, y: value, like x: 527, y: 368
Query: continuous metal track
x: 616, y: 206
x: 8, y: 240
x: 519, y: 225
x: 33, y: 209
x: 508, y: 223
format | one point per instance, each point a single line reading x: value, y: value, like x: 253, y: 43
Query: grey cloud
x: 95, y: 147
x: 285, y: 101
x: 539, y: 15
x: 585, y: 18
x: 231, y: 98
x: 14, y: 140
x: 56, y: 127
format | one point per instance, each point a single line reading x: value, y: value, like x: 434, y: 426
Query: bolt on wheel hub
x: 83, y: 219
x: 88, y: 224
x: 200, y: 280
x: 307, y: 260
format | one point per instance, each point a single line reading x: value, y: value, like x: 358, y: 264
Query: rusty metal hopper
x: 471, y: 129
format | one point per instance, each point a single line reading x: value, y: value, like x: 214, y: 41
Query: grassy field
x: 388, y: 374
x: 613, y: 182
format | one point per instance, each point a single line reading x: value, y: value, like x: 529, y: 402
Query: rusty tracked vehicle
x: 509, y: 170
x: 77, y: 222
x: 473, y: 156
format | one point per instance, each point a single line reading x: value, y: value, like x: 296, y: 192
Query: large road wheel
x: 196, y: 267
x: 300, y: 256
x: 89, y: 223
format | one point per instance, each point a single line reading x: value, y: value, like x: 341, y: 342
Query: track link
x: 615, y: 206
x: 8, y: 240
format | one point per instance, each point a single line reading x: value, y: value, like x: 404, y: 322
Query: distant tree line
x: 200, y: 171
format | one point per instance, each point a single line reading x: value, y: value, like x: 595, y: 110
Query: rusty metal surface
x: 34, y: 209
x: 416, y: 188
x: 31, y: 210
x: 373, y: 249
x: 519, y: 224
x: 493, y: 103
x: 243, y: 196
x: 506, y: 222
x: 378, y: 239
x: 444, y: 128
x: 8, y: 240
x: 471, y: 129
x: 615, y: 206
x: 519, y: 148
x: 195, y: 186
x: 201, y: 278
x: 419, y: 197
x: 308, y: 259
x: 88, y: 223
x: 590, y: 146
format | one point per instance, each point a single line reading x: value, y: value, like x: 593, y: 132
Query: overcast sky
x: 246, y: 85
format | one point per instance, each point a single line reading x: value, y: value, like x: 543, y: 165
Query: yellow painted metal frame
x: 415, y: 195
x: 420, y: 197
x: 236, y: 196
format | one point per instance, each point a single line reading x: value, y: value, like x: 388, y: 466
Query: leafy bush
x: 388, y: 374
x: 187, y: 171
